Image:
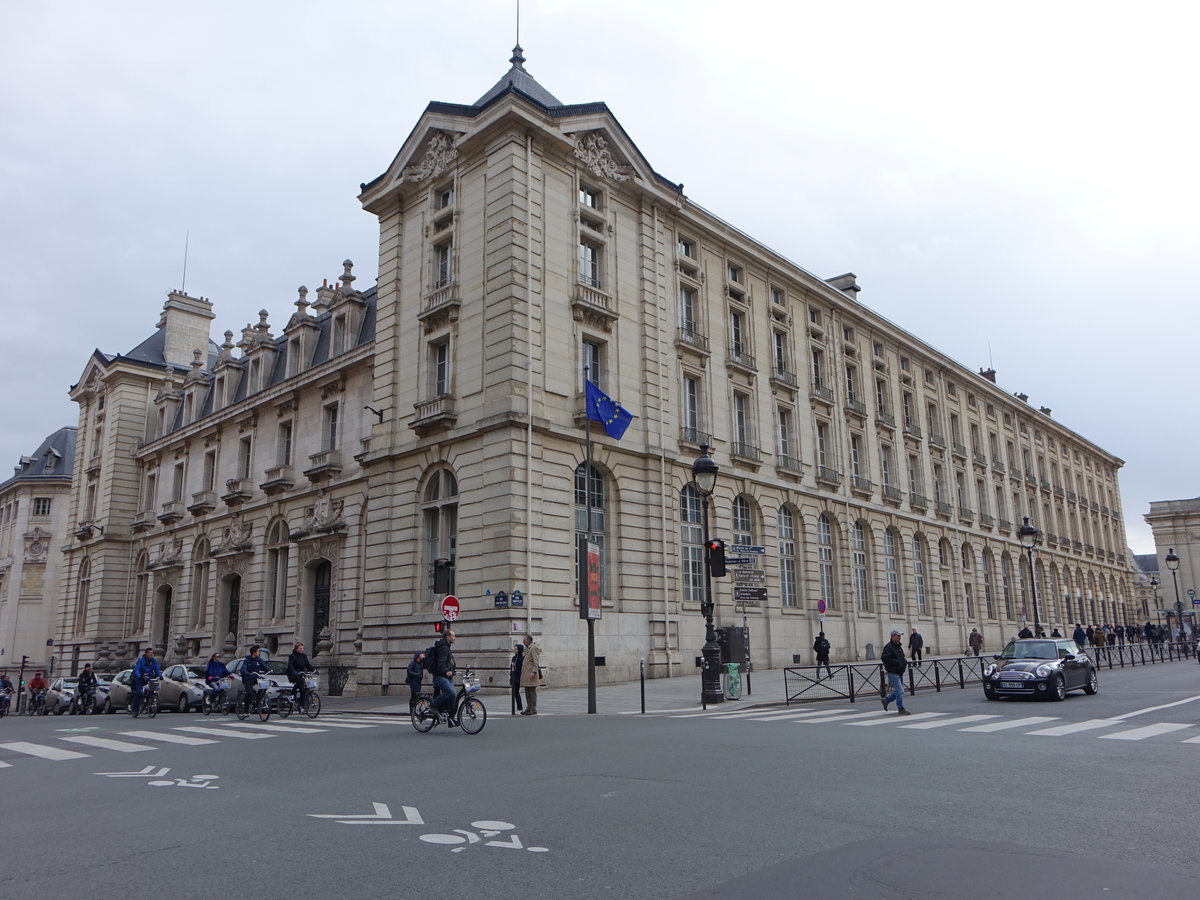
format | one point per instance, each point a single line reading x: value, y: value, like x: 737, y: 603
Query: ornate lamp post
x: 1028, y: 535
x: 704, y: 479
x: 1154, y: 583
x: 1173, y: 564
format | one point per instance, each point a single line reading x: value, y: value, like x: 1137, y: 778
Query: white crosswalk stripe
x: 844, y: 717
x: 282, y: 729
x: 42, y: 751
x: 1146, y: 731
x: 942, y: 723
x: 218, y: 732
x: 1075, y: 727
x: 1011, y: 723
x: 103, y: 743
x: 894, y: 719
x: 168, y: 737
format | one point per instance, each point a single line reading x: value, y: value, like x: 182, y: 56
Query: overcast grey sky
x: 1013, y: 183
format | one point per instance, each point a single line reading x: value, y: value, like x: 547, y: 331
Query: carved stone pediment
x: 440, y: 154
x: 235, y: 538
x: 166, y: 554
x: 593, y: 150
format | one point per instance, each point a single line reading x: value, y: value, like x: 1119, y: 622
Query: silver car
x: 118, y: 692
x: 182, y: 688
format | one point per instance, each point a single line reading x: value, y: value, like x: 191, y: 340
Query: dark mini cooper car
x: 1040, y: 667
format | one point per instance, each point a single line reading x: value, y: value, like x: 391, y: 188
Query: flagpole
x: 587, y: 492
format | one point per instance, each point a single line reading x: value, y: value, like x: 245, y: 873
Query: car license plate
x: 1011, y: 685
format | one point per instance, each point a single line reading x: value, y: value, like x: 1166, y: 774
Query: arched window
x: 439, y: 507
x: 691, y: 540
x: 825, y: 562
x: 919, y: 566
x: 787, y: 557
x: 590, y: 489
x: 989, y: 595
x: 278, y: 551
x: 82, y: 592
x: 743, y: 521
x: 891, y: 567
x: 199, y: 598
x: 862, y: 580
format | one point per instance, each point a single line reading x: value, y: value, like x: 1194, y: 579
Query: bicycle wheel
x: 423, y: 717
x: 472, y: 715
x: 222, y: 708
x: 314, y: 705
x: 152, y: 706
x: 206, y: 705
x: 242, y: 707
x: 264, y: 707
x: 285, y: 706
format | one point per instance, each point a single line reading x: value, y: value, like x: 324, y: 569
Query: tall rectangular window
x: 852, y: 394
x: 787, y: 557
x: 881, y: 404
x: 818, y: 369
x: 736, y: 337
x: 283, y: 444
x: 885, y: 464
x: 439, y: 368
x: 779, y: 346
x: 592, y: 353
x: 177, y: 482
x: 691, y: 403
x: 785, y: 433
x: 823, y: 454
x: 245, y: 446
x: 741, y: 418
x: 331, y: 426
x: 443, y: 264
x: 856, y: 455
x: 589, y: 263
x: 210, y: 470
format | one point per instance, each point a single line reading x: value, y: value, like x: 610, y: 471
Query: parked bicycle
x: 469, y: 712
x: 260, y: 703
x: 289, y: 700
x: 216, y: 701
x: 149, y: 704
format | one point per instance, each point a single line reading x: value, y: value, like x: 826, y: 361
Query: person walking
x: 531, y: 675
x: 414, y: 675
x: 1025, y: 633
x: 821, y: 648
x: 514, y: 676
x: 975, y: 641
x: 916, y: 644
x: 1079, y: 636
x: 894, y: 664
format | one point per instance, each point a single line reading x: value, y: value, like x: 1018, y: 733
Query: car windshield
x: 196, y: 672
x: 1030, y: 650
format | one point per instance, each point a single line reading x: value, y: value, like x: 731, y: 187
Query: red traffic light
x: 438, y: 626
x: 715, y: 551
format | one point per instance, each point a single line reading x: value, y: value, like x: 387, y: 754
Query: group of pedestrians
x: 524, y: 672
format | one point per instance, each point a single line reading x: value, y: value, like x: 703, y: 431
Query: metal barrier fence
x: 849, y: 681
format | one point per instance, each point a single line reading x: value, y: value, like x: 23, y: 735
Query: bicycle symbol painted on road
x: 487, y: 829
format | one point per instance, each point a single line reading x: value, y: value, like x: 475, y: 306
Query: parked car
x: 62, y: 692
x: 182, y: 688
x: 1040, y: 667
x: 118, y: 692
x: 277, y: 677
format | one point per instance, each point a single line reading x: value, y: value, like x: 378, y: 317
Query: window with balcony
x: 439, y: 367
x: 589, y: 264
x: 209, y: 478
x: 245, y: 448
x: 283, y: 444
x: 443, y: 264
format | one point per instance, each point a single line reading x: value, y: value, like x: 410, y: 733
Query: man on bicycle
x: 37, y: 689
x: 6, y: 689
x: 442, y: 668
x: 144, y: 669
x: 213, y: 673
x: 86, y: 684
x: 297, y: 667
x: 253, y: 666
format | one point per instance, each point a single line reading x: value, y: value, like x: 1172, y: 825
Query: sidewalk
x: 679, y: 694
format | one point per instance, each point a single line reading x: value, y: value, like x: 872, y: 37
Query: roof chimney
x: 185, y: 323
x: 989, y: 374
x: 847, y: 284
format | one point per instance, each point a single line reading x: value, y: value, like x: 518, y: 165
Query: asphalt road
x: 836, y: 800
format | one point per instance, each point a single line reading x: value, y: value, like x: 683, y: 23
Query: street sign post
x: 450, y: 608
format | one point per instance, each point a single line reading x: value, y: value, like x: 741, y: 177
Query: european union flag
x: 607, y: 411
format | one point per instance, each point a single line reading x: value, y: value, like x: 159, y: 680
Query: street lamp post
x: 1028, y: 535
x: 1173, y: 565
x: 1154, y: 583
x: 704, y: 479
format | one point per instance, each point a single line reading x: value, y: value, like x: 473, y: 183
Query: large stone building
x: 33, y: 524
x: 1176, y: 526
x: 304, y: 483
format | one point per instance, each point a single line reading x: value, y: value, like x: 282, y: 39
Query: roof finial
x: 518, y: 58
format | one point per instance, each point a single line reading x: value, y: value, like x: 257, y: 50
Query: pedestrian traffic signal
x: 716, y: 558
x: 438, y: 626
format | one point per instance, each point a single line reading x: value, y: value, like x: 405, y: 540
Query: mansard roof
x: 52, y: 460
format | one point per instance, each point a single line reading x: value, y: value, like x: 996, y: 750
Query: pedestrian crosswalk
x: 1113, y: 729
x: 81, y: 746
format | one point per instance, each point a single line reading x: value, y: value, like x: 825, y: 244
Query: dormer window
x: 339, y: 335
x: 294, y: 355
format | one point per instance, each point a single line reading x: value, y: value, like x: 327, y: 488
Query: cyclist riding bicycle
x: 144, y: 669
x: 297, y: 667
x: 442, y: 667
x: 213, y: 673
x: 6, y: 689
x: 86, y: 685
x: 252, y: 667
x: 37, y: 689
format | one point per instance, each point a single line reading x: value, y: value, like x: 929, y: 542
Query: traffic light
x: 716, y: 558
x: 442, y: 583
x: 24, y: 661
x: 438, y: 626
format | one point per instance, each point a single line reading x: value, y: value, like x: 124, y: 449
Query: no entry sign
x: 450, y: 608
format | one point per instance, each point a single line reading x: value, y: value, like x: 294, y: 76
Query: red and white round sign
x: 450, y: 608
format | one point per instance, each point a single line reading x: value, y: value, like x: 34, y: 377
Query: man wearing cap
x: 894, y: 664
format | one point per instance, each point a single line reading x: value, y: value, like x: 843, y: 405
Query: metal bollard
x: 643, y: 675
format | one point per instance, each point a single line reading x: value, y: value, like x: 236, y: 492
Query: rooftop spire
x: 517, y: 77
x: 518, y: 57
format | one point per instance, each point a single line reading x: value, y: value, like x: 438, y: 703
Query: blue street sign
x: 744, y: 548
x: 501, y: 600
x: 739, y: 560
x: 518, y: 599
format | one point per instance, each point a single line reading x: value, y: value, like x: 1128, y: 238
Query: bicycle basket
x: 310, y: 683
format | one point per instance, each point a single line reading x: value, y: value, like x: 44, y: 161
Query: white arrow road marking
x: 106, y: 743
x: 54, y: 753
x: 381, y: 816
x: 513, y: 843
x: 4, y: 765
x: 148, y: 772
x: 168, y: 737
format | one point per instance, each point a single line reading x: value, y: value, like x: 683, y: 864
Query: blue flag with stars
x: 607, y: 411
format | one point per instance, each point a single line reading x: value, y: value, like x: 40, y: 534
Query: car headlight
x: 990, y: 670
x: 1046, y: 669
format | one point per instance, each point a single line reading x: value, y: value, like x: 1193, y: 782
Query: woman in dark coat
x: 514, y: 675
x: 413, y: 676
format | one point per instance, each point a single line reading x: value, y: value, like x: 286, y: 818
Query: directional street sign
x: 750, y: 596
x: 744, y: 548
x: 739, y: 560
x: 751, y: 576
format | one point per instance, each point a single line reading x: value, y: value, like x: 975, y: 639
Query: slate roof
x: 518, y: 79
x: 52, y: 460
x: 1147, y: 562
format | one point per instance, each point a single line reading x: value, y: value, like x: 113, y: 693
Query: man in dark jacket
x: 442, y: 668
x: 87, y: 683
x: 916, y: 644
x: 821, y: 648
x: 514, y: 676
x: 144, y: 669
x: 252, y: 666
x: 297, y: 666
x: 1079, y: 636
x: 894, y: 664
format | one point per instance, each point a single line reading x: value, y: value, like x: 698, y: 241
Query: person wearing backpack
x: 414, y: 675
x: 442, y: 667
x: 821, y: 648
